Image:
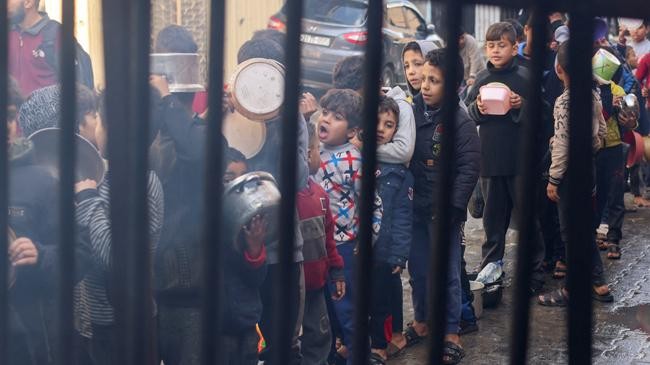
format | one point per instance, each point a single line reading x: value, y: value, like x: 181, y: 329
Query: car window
x: 395, y: 18
x: 413, y: 21
x: 342, y: 12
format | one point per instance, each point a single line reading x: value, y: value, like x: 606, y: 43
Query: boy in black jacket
x: 500, y: 138
x: 425, y: 168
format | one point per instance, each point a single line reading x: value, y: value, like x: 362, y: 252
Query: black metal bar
x: 4, y: 180
x: 139, y: 262
x: 118, y: 99
x: 283, y: 332
x: 438, y: 273
x: 67, y: 157
x: 364, y: 262
x: 213, y: 272
x: 527, y: 192
x: 580, y: 182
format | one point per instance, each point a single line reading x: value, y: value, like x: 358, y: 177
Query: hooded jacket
x: 425, y: 165
x: 400, y: 149
x: 34, y: 213
x: 395, y: 188
x: 425, y: 47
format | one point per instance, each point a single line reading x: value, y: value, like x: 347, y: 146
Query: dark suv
x: 335, y: 29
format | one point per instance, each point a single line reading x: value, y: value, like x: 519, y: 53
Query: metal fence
x: 127, y: 37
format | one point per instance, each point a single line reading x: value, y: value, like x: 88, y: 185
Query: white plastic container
x: 496, y: 98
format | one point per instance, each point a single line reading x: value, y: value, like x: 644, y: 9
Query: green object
x: 605, y: 65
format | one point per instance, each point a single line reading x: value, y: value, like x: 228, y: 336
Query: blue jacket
x: 395, y: 188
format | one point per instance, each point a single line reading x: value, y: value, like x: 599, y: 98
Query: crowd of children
x: 410, y: 132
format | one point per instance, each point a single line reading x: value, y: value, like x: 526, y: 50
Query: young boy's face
x: 101, y: 138
x: 333, y: 128
x: 88, y: 126
x: 234, y: 170
x: 500, y: 52
x: 433, y: 83
x: 386, y: 127
x: 639, y: 34
x: 413, y: 62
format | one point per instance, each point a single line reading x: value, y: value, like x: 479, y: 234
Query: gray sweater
x: 91, y: 302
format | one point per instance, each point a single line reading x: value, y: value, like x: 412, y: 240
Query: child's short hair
x: 345, y: 101
x: 502, y: 29
x: 272, y: 34
x: 86, y: 103
x: 175, y: 39
x: 563, y: 56
x: 234, y: 155
x: 348, y: 73
x: 437, y: 57
x: 387, y: 104
x: 261, y: 48
x: 519, y: 29
x: 414, y: 46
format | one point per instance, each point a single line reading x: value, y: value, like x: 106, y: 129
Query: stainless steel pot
x: 255, y: 193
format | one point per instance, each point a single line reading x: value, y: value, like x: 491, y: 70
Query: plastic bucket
x: 477, y: 291
x: 496, y: 98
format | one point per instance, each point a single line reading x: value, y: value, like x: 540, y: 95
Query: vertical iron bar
x: 580, y: 180
x: 364, y: 261
x: 4, y: 182
x: 139, y: 262
x: 527, y: 192
x: 283, y: 333
x: 438, y: 273
x: 67, y: 158
x: 213, y: 272
x: 116, y: 41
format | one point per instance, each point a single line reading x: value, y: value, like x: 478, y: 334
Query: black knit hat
x: 40, y: 110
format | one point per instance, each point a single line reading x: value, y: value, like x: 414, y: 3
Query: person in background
x: 425, y: 167
x: 34, y: 49
x: 557, y: 187
x: 472, y: 56
x: 323, y: 263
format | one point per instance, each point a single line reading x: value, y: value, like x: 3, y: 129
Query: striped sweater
x: 91, y: 301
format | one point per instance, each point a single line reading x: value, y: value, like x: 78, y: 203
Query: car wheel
x: 388, y: 76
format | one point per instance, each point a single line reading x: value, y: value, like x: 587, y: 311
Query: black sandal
x: 556, y: 298
x: 613, y: 251
x: 603, y: 298
x: 375, y: 359
x: 412, y: 337
x: 451, y: 353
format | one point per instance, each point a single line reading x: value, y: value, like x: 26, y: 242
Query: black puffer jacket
x: 425, y: 164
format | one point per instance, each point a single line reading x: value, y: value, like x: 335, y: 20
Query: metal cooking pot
x: 180, y: 69
x: 255, y: 193
x: 89, y: 164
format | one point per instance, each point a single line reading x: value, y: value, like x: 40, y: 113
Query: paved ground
x: 621, y: 329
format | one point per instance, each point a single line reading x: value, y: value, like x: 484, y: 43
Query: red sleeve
x: 333, y: 258
x: 256, y: 262
x: 642, y: 69
x: 200, y: 103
